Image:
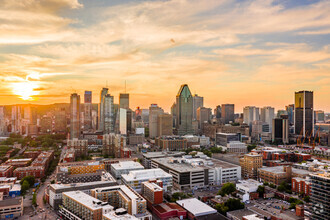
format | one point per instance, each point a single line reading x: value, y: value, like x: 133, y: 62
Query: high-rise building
x: 145, y: 116
x: 60, y: 120
x: 304, y: 113
x: 280, y: 130
x: 203, y: 115
x: 320, y: 196
x: 198, y: 102
x: 88, y: 110
x: 101, y: 118
x: 267, y: 116
x: 74, y: 115
x: 16, y: 117
x: 184, y: 106
x: 227, y: 113
x: 250, y: 114
x: 217, y: 111
x: 173, y: 113
x: 250, y: 164
x: 124, y: 100
x: 108, y: 111
x: 164, y: 125
x: 319, y: 116
x: 154, y: 111
x: 3, y: 129
x: 123, y: 120
x: 290, y: 110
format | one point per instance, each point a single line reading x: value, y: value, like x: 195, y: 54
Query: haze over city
x: 243, y: 52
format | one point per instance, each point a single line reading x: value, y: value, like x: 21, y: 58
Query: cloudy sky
x: 255, y: 52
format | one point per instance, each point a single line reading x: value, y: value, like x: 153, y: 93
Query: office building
x: 60, y: 121
x: 184, y: 106
x: 198, y: 102
x: 203, y: 116
x: 135, y: 178
x: 223, y: 139
x: 80, y: 205
x: 145, y: 116
x: 154, y: 112
x: 250, y: 164
x: 108, y: 113
x: 124, y: 167
x: 171, y: 143
x: 319, y: 116
x: 88, y: 110
x: 250, y: 114
x: 267, y: 115
x: 217, y: 112
x: 173, y: 113
x: 227, y: 113
x: 55, y: 190
x: 124, y: 100
x: 123, y: 121
x: 235, y: 147
x: 147, y: 157
x: 74, y: 116
x: 320, y: 185
x: 198, y: 172
x: 101, y: 115
x: 164, y: 125
x: 304, y: 113
x: 290, y: 110
x: 280, y: 130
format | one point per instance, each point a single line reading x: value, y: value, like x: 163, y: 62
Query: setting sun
x: 25, y: 90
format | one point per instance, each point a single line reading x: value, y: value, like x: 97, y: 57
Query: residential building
x: 250, y: 164
x: 152, y: 192
x: 36, y: 171
x: 113, y: 144
x: 250, y: 114
x: 74, y: 116
x: 135, y: 178
x: 279, y: 174
x: 6, y: 171
x: 88, y: 110
x: 80, y: 147
x: 136, y: 139
x: 101, y: 108
x: 123, y: 196
x: 301, y: 185
x: 171, y: 143
x: 108, y: 113
x: 267, y: 115
x: 184, y: 105
x: 320, y: 185
x: 55, y: 190
x: 304, y: 113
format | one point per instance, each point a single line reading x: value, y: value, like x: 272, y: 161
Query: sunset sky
x: 256, y: 52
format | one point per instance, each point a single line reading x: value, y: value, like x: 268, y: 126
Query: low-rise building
x: 171, y: 143
x: 36, y: 171
x: 235, y: 147
x: 55, y: 190
x: 152, y: 192
x: 6, y: 171
x: 147, y: 157
x: 165, y: 211
x: 250, y: 164
x: 135, y: 139
x: 19, y: 162
x: 197, y: 209
x: 189, y: 172
x: 246, y: 187
x: 135, y: 178
x: 11, y: 208
x: 301, y: 185
x: 124, y: 167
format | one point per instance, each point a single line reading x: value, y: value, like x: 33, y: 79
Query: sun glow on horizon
x: 25, y: 90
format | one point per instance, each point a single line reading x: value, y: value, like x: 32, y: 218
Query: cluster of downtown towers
x: 113, y: 118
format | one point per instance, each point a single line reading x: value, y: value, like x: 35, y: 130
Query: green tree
x: 234, y: 204
x: 25, y: 186
x: 29, y: 179
x: 221, y: 208
x: 227, y: 189
x: 307, y: 199
x: 261, y: 191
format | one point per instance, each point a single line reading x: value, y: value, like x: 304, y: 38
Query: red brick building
x: 300, y: 185
x: 165, y: 211
x: 31, y: 154
x: 152, y: 192
x: 6, y: 171
x: 125, y: 153
x: 36, y: 171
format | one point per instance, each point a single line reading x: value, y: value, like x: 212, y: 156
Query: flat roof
x: 128, y: 192
x: 123, y: 165
x: 135, y: 175
x: 279, y: 169
x: 193, y: 164
x: 65, y: 186
x: 114, y: 216
x: 87, y: 200
x: 162, y: 154
x: 4, y: 167
x: 196, y: 207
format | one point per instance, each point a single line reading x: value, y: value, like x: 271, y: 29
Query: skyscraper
x: 101, y: 109
x: 3, y: 129
x: 88, y: 110
x: 123, y: 121
x: 124, y: 100
x: 217, y: 111
x: 203, y: 115
x: 250, y: 114
x: 198, y: 101
x: 108, y: 114
x: 154, y: 111
x: 280, y: 130
x: 227, y: 113
x: 74, y: 115
x: 304, y: 113
x: 267, y: 116
x: 184, y: 105
x: 290, y: 110
x: 164, y: 125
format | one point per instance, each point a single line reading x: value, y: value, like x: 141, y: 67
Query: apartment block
x: 6, y: 171
x: 279, y: 174
x: 250, y: 164
x: 171, y: 143
x: 320, y: 185
x: 301, y: 185
x: 80, y: 146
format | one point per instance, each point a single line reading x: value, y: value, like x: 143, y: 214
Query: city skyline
x: 247, y: 53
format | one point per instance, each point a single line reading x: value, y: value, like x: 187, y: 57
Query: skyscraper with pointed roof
x: 184, y: 105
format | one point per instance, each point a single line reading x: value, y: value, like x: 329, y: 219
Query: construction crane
x: 299, y: 138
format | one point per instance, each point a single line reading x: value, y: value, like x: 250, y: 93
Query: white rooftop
x: 145, y: 174
x: 114, y: 216
x: 87, y: 200
x: 196, y: 207
x: 129, y: 193
x: 123, y: 165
